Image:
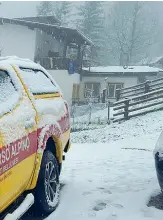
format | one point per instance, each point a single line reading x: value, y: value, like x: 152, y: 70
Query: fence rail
x: 139, y: 89
x: 140, y: 104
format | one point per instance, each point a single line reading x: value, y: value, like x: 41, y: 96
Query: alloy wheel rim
x: 50, y: 182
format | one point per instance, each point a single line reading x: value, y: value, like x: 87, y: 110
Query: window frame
x: 92, y: 83
x: 41, y: 93
x: 75, y: 91
x: 113, y: 83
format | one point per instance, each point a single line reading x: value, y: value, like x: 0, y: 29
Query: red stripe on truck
x: 17, y: 151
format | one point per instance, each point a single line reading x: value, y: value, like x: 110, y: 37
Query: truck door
x: 18, y: 137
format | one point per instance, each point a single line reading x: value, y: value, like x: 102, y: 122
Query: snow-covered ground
x: 98, y: 117
x: 135, y: 127
x: 112, y: 180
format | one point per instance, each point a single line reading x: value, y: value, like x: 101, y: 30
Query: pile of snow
x: 142, y: 125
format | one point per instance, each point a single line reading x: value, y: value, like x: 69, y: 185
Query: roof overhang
x: 50, y: 19
x: 71, y: 35
x: 118, y: 74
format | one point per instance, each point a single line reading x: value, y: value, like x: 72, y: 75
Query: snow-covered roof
x: 121, y: 69
x: 70, y: 33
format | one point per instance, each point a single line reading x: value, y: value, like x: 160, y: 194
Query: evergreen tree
x: 45, y: 8
x: 91, y: 23
x: 61, y: 10
x: 130, y: 32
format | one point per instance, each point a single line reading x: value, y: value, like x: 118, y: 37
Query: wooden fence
x: 131, y: 107
x: 139, y: 89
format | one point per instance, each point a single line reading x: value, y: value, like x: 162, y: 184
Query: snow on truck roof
x: 14, y: 58
x: 25, y: 64
x: 121, y: 69
x: 20, y: 61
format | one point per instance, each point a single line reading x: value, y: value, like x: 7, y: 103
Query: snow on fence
x: 141, y: 104
x: 139, y: 89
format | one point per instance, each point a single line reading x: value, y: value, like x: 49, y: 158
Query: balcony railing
x: 57, y: 63
x: 60, y: 63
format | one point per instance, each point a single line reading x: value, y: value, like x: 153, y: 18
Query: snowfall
x: 109, y: 173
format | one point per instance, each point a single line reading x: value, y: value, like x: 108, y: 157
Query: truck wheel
x: 48, y: 187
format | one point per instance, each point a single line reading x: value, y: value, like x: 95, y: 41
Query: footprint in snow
x: 86, y: 193
x: 119, y: 206
x: 104, y: 190
x: 100, y: 206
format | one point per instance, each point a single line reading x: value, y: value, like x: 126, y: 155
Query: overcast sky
x: 15, y: 9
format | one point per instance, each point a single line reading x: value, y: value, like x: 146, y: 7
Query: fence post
x: 126, y: 102
x: 104, y: 96
x: 118, y: 93
x: 146, y: 86
x: 108, y: 112
x: 73, y: 113
x: 90, y: 112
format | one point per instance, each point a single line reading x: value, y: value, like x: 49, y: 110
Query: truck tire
x: 48, y: 187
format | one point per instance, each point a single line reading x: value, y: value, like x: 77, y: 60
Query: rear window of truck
x: 37, y: 81
x: 7, y: 88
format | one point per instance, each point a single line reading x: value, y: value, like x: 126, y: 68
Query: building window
x: 112, y: 89
x: 92, y: 90
x: 75, y: 93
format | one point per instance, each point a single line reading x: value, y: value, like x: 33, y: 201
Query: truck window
x: 37, y: 81
x: 7, y: 89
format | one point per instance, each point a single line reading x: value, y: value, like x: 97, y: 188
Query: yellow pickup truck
x: 34, y: 134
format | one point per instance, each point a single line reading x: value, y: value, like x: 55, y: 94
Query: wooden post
x: 108, y: 112
x: 104, y: 96
x: 126, y: 102
x: 146, y: 86
x: 118, y: 94
x: 79, y: 59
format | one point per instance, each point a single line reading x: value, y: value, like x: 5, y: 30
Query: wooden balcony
x: 61, y: 63
x: 57, y: 63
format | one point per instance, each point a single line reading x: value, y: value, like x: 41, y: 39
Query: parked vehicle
x: 158, y: 155
x: 34, y: 134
